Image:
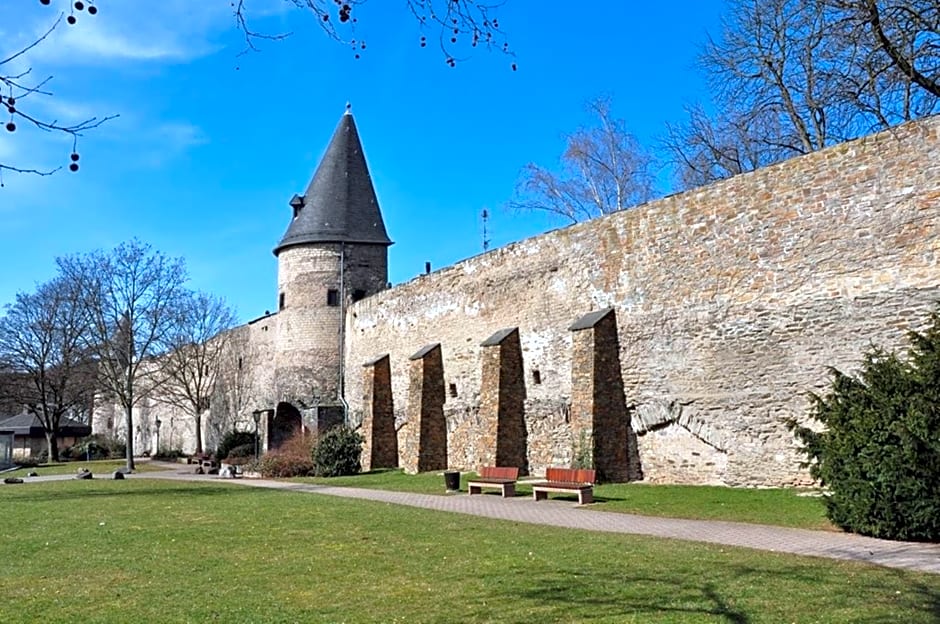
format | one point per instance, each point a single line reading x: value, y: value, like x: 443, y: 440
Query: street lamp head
x: 257, y: 416
x: 158, y: 422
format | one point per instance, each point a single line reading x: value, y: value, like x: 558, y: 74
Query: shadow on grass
x: 36, y: 493
x: 629, y: 596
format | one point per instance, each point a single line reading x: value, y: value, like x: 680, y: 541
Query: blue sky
x: 210, y: 146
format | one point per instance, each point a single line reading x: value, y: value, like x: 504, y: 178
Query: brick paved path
x: 832, y: 545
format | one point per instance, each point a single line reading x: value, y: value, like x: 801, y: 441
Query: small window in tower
x: 358, y: 294
x: 332, y: 297
x: 453, y: 389
x: 280, y: 301
x: 239, y: 363
x: 536, y: 376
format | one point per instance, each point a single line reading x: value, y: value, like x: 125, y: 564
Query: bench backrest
x: 500, y: 472
x: 570, y: 475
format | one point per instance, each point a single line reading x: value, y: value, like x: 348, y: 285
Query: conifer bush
x: 232, y: 440
x: 879, y: 451
x: 338, y: 452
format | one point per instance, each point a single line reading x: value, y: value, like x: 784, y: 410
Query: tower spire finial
x: 348, y: 108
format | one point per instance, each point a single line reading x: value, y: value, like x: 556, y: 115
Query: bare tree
x: 603, y: 169
x: 709, y: 148
x: 234, y: 386
x: 192, y: 365
x: 133, y: 296
x: 907, y: 32
x: 793, y: 76
x: 41, y: 347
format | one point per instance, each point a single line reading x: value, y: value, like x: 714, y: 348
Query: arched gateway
x: 285, y: 424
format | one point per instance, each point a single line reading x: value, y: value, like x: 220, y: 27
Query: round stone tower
x: 335, y: 252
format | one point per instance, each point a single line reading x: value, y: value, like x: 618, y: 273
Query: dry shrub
x: 291, y: 459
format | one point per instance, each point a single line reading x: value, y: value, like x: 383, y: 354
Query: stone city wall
x: 731, y: 301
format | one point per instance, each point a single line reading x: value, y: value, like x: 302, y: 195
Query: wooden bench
x: 578, y: 481
x: 496, y: 478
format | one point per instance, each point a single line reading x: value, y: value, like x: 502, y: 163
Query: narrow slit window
x: 453, y: 389
x: 332, y: 297
x: 280, y: 301
x: 536, y: 376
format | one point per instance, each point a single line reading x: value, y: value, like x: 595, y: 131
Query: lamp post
x: 158, y: 422
x: 316, y: 412
x: 257, y: 416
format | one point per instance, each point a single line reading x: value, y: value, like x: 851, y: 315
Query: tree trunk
x: 129, y: 422
x: 198, y: 433
x: 129, y: 413
x: 52, y: 446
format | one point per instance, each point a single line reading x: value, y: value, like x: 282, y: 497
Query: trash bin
x: 452, y: 480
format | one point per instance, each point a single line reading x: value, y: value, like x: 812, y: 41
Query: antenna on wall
x: 485, y: 215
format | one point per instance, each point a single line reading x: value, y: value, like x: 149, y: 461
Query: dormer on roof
x: 339, y: 205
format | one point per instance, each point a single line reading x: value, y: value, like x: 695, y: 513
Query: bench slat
x: 499, y: 472
x: 570, y: 475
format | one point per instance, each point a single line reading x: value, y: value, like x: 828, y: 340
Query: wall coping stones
x: 375, y: 361
x: 498, y: 337
x: 590, y: 319
x: 425, y: 350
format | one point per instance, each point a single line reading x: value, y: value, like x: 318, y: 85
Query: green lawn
x: 154, y: 551
x: 98, y: 466
x: 781, y: 507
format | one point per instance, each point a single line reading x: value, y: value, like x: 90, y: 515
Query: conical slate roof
x: 339, y: 205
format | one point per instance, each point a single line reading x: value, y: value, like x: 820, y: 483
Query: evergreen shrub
x: 234, y: 439
x: 879, y: 450
x: 338, y: 452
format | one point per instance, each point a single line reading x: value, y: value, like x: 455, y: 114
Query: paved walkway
x: 832, y: 545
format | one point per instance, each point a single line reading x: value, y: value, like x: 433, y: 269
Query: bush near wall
x: 232, y: 440
x: 338, y: 453
x: 880, y: 451
x: 291, y: 459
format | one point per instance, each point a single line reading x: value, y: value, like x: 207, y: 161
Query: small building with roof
x: 28, y: 436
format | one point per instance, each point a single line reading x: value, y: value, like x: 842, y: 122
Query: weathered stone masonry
x: 730, y: 302
x: 380, y: 447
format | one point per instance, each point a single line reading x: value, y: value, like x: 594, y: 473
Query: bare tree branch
x: 194, y: 360
x: 16, y: 88
x: 793, y: 76
x: 604, y: 169
x: 458, y: 23
x: 916, y: 31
